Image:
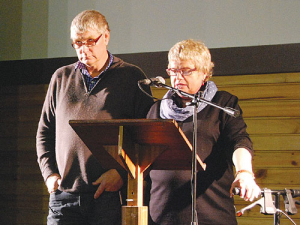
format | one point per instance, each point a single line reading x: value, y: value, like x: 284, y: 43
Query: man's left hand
x: 109, y: 181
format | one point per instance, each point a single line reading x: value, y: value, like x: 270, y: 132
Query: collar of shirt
x: 91, y: 81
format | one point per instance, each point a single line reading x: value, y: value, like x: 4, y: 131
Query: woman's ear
x: 204, y: 78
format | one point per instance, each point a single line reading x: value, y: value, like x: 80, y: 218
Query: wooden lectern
x: 135, y: 144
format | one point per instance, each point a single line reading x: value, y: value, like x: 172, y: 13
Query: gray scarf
x: 170, y: 110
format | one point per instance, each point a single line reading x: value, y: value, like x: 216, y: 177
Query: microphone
x: 231, y: 111
x: 157, y: 81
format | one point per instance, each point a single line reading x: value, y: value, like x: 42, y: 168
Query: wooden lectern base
x: 135, y: 215
x: 135, y: 145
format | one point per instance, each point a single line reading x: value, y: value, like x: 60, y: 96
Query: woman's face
x: 190, y: 84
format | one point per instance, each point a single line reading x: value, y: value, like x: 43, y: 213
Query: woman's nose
x: 179, y: 75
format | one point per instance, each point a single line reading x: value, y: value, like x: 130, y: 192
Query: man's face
x: 93, y: 56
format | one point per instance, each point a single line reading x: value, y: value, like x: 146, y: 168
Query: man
x: 98, y: 86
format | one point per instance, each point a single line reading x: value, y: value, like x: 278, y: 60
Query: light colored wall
x: 35, y: 28
x: 155, y: 25
x: 10, y: 29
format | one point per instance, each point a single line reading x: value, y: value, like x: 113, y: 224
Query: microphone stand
x: 194, y: 102
x: 270, y: 206
x: 195, y: 99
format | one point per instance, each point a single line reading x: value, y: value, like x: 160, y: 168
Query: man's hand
x: 53, y: 182
x: 109, y: 181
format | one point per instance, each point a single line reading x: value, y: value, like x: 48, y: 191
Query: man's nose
x: 84, y: 48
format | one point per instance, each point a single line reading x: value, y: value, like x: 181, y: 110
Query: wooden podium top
x: 175, y: 149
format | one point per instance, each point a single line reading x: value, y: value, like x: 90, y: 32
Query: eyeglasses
x: 89, y: 43
x: 184, y: 72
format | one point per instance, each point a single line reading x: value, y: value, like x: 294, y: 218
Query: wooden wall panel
x: 271, y: 109
x: 23, y: 193
x: 277, y: 159
x: 276, y: 142
x: 273, y: 125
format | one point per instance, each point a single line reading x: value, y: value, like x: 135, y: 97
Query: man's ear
x: 106, y: 37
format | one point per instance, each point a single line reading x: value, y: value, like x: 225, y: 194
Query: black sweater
x: 59, y: 148
x: 218, y: 136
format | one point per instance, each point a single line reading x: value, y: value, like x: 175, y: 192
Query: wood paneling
x: 273, y: 125
x: 271, y: 106
x: 23, y: 193
x: 277, y: 159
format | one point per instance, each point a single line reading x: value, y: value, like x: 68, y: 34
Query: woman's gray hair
x: 195, y: 51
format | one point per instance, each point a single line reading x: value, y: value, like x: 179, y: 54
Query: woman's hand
x: 244, y: 178
x: 248, y: 187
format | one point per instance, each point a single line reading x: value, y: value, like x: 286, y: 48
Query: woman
x: 222, y: 143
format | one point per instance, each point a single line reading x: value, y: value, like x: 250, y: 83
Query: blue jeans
x: 82, y: 209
